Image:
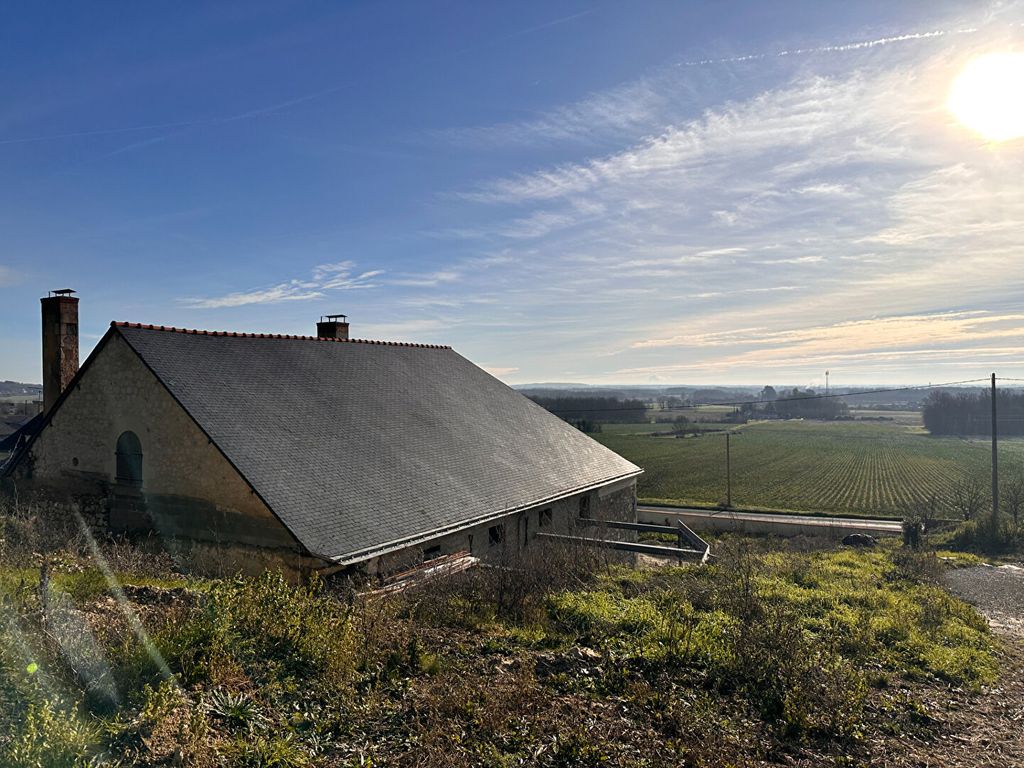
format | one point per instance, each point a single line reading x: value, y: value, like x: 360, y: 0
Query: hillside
x: 566, y: 659
x: 19, y: 389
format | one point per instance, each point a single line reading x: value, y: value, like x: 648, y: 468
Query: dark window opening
x: 545, y: 518
x: 584, y: 506
x: 430, y: 553
x: 495, y: 535
x: 129, y: 460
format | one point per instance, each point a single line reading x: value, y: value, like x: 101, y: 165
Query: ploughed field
x: 864, y: 467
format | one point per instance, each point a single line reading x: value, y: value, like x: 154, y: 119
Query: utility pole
x: 728, y: 474
x: 826, y: 383
x: 995, y: 457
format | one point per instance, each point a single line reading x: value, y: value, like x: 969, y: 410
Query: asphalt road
x: 719, y: 517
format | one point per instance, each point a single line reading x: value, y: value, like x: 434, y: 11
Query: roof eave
x: 352, y: 558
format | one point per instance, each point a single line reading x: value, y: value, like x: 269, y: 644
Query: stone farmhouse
x: 244, y: 451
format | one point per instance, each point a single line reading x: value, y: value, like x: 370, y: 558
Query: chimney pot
x: 332, y: 327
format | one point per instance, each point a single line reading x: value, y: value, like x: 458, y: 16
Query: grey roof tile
x: 358, y: 445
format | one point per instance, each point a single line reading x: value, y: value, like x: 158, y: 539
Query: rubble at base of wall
x: 89, y: 510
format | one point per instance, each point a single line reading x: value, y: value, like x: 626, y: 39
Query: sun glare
x: 988, y: 96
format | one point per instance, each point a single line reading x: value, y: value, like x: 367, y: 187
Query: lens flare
x: 988, y: 96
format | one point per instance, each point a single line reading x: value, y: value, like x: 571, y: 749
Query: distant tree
x: 768, y: 394
x: 596, y: 409
x: 681, y: 425
x: 797, y: 404
x: 970, y: 413
x: 1011, y: 497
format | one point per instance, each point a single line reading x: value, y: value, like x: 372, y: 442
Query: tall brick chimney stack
x: 332, y: 327
x: 60, y: 344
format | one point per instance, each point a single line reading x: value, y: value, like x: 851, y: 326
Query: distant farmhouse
x: 308, y: 454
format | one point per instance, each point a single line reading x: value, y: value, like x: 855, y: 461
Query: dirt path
x: 996, y: 591
x: 986, y: 729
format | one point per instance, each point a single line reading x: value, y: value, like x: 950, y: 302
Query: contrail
x: 257, y: 112
x: 180, y: 126
x: 856, y: 46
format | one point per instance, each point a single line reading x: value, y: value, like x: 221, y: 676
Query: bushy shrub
x: 989, y: 534
x: 264, y: 630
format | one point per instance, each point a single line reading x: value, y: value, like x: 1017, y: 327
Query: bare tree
x: 969, y: 497
x: 1011, y: 497
x: 922, y: 511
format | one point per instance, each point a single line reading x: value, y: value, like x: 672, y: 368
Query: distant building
x: 308, y: 454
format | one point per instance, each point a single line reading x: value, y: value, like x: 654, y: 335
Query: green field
x: 861, y: 467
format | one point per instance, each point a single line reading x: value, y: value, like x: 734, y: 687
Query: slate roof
x: 360, y: 447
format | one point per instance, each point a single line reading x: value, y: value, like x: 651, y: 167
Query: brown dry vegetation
x: 568, y: 659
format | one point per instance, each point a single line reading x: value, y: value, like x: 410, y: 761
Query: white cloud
x: 623, y: 110
x: 428, y: 280
x: 324, y: 277
x: 939, y: 337
x: 536, y: 224
x: 7, y: 276
x: 794, y: 119
x: 499, y: 371
x: 843, y: 194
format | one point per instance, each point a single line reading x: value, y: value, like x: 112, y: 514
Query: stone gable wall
x: 190, y: 494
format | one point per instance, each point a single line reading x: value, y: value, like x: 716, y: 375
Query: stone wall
x: 613, y: 502
x: 189, y: 494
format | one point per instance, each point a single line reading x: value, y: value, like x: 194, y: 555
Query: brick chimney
x: 332, y: 327
x: 60, y: 343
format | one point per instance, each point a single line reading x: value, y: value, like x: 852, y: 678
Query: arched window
x: 129, y: 460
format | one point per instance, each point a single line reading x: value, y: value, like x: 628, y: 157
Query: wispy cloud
x: 967, y: 335
x: 7, y: 276
x: 499, y: 371
x: 741, y: 292
x: 426, y: 280
x: 828, y: 219
x: 796, y: 119
x: 599, y: 117
x: 857, y: 45
x: 324, y: 278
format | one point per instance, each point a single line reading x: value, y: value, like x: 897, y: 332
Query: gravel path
x: 996, y: 591
x: 986, y: 729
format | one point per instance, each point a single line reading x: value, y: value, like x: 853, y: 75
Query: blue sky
x: 576, y: 191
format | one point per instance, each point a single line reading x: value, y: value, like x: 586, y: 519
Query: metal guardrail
x: 656, y: 550
x: 683, y: 533
x: 694, y: 540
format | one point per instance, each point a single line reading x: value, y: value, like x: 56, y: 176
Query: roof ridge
x: 242, y: 335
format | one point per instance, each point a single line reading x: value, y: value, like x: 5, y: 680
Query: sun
x: 988, y: 96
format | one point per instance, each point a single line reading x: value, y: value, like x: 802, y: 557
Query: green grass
x: 867, y: 607
x: 841, y: 467
x: 612, y: 667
